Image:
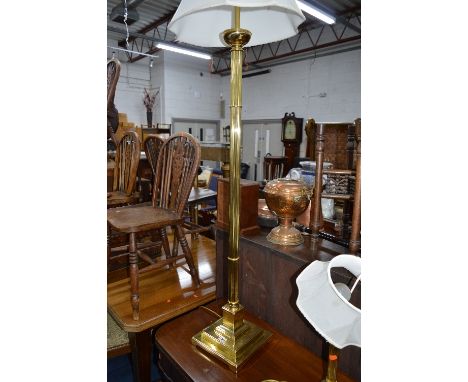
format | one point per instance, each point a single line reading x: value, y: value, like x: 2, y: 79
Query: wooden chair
x: 316, y: 222
x: 150, y: 241
x: 273, y: 167
x: 176, y: 170
x: 127, y: 157
x: 113, y: 74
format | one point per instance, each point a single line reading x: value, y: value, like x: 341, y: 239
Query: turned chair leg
x: 175, y: 243
x: 188, y: 254
x: 133, y: 260
x: 165, y: 242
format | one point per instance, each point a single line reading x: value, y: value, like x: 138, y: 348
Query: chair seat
x: 117, y: 198
x: 139, y: 219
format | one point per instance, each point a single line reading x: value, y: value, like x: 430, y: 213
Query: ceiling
x: 315, y: 38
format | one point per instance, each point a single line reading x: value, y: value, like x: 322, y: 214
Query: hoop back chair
x: 127, y: 158
x: 117, y: 242
x: 176, y: 170
x: 113, y: 74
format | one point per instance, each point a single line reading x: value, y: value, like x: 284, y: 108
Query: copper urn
x: 287, y: 198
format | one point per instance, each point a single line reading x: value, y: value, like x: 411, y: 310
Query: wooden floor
x: 166, y: 293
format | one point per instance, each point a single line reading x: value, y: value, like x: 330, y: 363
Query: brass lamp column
x: 332, y: 363
x: 198, y: 22
x: 231, y: 338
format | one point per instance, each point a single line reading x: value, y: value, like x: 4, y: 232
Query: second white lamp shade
x: 325, y: 304
x: 202, y: 22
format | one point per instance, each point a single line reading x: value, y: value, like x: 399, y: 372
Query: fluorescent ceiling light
x: 311, y: 10
x: 184, y: 51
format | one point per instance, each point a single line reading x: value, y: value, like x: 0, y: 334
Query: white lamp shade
x: 202, y: 22
x: 326, y: 306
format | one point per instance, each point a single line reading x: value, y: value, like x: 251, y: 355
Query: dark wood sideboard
x: 267, y: 288
x: 280, y: 358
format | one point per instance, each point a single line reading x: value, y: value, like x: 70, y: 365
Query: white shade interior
x: 202, y: 22
x: 323, y: 304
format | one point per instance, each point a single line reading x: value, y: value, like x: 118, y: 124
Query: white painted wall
x: 134, y: 77
x: 190, y: 90
x: 295, y: 87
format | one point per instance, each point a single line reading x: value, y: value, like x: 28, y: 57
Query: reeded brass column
x: 231, y: 338
x: 236, y: 38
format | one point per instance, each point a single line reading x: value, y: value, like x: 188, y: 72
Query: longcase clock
x: 291, y: 136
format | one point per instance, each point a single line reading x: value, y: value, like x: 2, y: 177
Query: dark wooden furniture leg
x: 140, y: 344
x: 108, y: 247
x: 188, y: 254
x: 133, y: 260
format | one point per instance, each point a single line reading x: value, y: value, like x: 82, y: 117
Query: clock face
x: 290, y: 130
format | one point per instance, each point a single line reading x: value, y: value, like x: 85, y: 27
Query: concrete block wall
x: 134, y: 77
x: 190, y: 91
x: 296, y: 87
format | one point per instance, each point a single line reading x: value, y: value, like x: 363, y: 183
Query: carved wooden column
x: 350, y: 165
x: 355, y: 239
x: 315, y: 218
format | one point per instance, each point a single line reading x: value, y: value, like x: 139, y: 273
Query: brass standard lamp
x: 204, y: 23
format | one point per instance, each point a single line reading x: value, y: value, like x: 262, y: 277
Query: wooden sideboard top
x: 323, y: 250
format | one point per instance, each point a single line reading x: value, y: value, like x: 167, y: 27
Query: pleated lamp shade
x: 325, y: 304
x: 202, y: 22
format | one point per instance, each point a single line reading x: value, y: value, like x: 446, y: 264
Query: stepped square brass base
x: 229, y: 345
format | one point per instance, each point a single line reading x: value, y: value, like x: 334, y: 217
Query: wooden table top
x: 201, y: 194
x: 165, y: 293
x: 280, y: 358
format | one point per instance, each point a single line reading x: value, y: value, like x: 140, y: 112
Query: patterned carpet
x: 119, y: 369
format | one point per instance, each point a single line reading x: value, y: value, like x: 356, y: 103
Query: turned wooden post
x: 350, y: 165
x: 315, y: 210
x: 355, y: 239
x: 133, y: 261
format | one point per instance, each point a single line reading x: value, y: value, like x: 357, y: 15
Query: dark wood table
x: 280, y: 358
x: 164, y: 294
x: 267, y: 287
x: 197, y: 195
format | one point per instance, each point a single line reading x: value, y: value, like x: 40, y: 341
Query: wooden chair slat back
x: 176, y: 169
x: 152, y: 145
x: 113, y: 74
x: 273, y: 167
x: 127, y: 158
